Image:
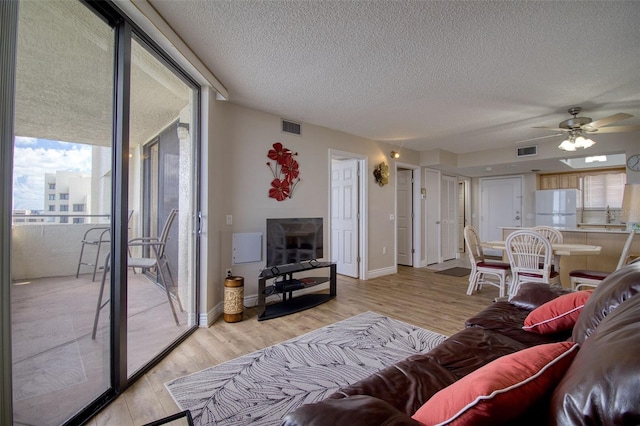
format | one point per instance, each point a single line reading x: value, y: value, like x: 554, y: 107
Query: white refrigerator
x: 558, y: 207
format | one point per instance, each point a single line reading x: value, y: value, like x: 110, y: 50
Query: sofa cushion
x: 507, y: 319
x: 602, y: 385
x: 470, y: 349
x: 408, y: 384
x: 533, y: 295
x: 611, y: 292
x: 353, y: 411
x: 559, y: 314
x: 502, y: 390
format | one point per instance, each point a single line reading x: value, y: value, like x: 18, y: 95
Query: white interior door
x: 432, y: 216
x: 404, y: 215
x: 500, y: 205
x: 344, y: 217
x: 449, y: 218
x: 462, y: 214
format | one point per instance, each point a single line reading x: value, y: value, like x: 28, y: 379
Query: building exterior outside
x: 67, y: 194
x: 27, y: 216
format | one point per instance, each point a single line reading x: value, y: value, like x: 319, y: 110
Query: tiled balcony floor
x: 57, y: 367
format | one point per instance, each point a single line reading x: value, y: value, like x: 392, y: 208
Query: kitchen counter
x: 618, y: 226
x: 610, y: 239
x: 591, y: 227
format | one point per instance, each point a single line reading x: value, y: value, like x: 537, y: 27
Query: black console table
x: 285, y: 283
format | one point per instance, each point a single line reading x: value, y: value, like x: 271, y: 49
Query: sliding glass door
x: 103, y: 246
x: 161, y: 181
x: 61, y: 197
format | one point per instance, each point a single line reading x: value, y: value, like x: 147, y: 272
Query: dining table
x: 559, y: 249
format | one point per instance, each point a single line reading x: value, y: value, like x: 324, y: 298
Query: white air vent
x: 291, y: 127
x: 527, y: 151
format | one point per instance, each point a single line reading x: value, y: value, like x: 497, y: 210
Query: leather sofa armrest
x: 357, y: 410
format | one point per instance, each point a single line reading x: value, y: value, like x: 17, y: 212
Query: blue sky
x: 34, y: 157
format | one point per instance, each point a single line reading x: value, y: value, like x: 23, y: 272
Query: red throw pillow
x: 559, y: 314
x: 501, y: 390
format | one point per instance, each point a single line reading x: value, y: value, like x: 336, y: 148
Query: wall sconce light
x: 395, y: 154
x: 183, y: 131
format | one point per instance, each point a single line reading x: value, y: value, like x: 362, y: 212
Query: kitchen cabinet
x: 560, y: 181
x: 549, y: 182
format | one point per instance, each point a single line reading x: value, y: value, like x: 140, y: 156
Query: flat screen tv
x: 294, y: 240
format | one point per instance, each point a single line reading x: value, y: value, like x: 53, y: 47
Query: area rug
x: 261, y: 387
x: 455, y: 272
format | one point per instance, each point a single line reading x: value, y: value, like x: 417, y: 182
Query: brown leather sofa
x: 600, y: 386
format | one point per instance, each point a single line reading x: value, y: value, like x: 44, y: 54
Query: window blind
x: 604, y: 190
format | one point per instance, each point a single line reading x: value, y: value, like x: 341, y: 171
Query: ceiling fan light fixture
x: 576, y: 140
x: 567, y: 145
x: 580, y: 141
x: 588, y: 143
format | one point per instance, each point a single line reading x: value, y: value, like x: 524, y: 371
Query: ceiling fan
x: 587, y: 125
x: 576, y: 126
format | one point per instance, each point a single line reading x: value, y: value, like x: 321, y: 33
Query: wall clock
x: 633, y: 163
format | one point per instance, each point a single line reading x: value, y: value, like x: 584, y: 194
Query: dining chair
x: 554, y: 236
x: 590, y: 278
x: 157, y: 260
x: 480, y: 267
x: 530, y: 255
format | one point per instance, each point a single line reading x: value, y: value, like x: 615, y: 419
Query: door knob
x: 517, y: 217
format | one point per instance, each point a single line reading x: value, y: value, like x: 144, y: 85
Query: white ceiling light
x: 575, y: 140
x: 597, y: 158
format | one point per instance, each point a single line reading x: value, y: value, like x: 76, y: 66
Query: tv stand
x: 286, y: 284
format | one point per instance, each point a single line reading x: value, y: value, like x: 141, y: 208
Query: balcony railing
x: 49, y: 249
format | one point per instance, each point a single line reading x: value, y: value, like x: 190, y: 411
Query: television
x: 294, y: 240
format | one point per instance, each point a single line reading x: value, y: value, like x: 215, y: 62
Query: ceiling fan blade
x: 535, y: 139
x: 606, y: 121
x: 554, y: 129
x: 614, y: 129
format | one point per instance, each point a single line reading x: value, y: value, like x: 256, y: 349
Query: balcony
x: 55, y: 360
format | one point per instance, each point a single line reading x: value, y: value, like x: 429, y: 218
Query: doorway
x: 432, y: 216
x: 449, y: 217
x: 404, y: 217
x: 409, y: 201
x: 464, y: 211
x: 500, y: 206
x: 347, y: 225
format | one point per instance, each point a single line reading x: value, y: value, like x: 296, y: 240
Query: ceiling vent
x: 291, y: 127
x: 527, y: 151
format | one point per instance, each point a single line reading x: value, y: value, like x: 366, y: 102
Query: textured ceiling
x: 458, y: 75
x: 64, y: 79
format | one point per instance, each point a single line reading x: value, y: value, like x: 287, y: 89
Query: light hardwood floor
x: 418, y: 296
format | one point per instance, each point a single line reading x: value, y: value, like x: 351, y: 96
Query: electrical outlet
x: 229, y: 273
x: 384, y: 250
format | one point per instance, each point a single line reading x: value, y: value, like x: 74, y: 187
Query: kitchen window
x: 603, y: 190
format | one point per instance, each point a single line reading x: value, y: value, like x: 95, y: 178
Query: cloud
x: 33, y: 158
x: 21, y: 140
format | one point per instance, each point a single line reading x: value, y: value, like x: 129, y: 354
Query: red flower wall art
x: 286, y: 174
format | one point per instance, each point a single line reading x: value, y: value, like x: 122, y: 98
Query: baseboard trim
x: 382, y: 272
x: 206, y: 319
